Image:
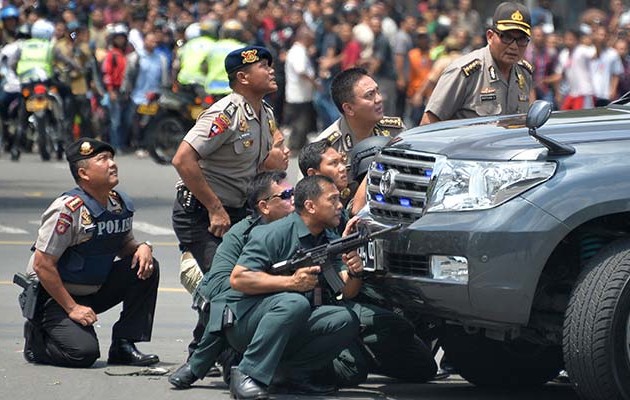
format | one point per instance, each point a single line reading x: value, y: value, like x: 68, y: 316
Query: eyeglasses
x: 284, y: 195
x: 521, y: 41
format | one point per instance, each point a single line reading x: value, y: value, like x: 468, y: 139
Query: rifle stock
x: 324, y: 254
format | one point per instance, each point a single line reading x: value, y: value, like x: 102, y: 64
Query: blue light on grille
x: 404, y: 202
x: 379, y: 167
x: 428, y: 172
x: 379, y: 197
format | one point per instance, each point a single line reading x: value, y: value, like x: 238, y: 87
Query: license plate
x: 372, y: 255
x: 195, y: 111
x: 36, y: 104
x: 148, y: 109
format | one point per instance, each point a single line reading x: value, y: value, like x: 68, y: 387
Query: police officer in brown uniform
x: 359, y: 100
x: 493, y: 80
x: 221, y: 154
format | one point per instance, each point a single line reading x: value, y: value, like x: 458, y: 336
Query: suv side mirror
x: 538, y: 113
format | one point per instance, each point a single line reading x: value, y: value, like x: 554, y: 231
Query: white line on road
x: 151, y: 229
x: 12, y: 231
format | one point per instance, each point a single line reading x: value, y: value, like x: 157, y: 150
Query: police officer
x: 191, y: 61
x: 230, y: 38
x: 493, y: 80
x: 221, y: 154
x: 359, y: 100
x: 284, y: 338
x: 81, y: 234
x: 271, y: 198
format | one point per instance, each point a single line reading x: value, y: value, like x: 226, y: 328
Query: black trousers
x: 57, y: 340
x: 301, y: 118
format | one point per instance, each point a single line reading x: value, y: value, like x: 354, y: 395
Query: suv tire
x: 597, y: 326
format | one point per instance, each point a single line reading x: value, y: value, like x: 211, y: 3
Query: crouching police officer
x: 81, y: 233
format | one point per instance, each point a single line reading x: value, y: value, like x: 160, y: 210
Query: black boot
x: 29, y: 331
x: 244, y: 387
x: 124, y: 352
x: 183, y: 378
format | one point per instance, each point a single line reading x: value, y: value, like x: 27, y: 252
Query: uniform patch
x: 488, y: 90
x: 230, y: 110
x: 272, y: 126
x: 333, y: 137
x: 493, y: 73
x: 345, y: 193
x: 347, y: 140
x: 522, y: 97
x: 488, y: 97
x: 243, y: 126
x: 220, y: 124
x: 391, y: 122
x: 344, y: 157
x: 521, y: 80
x: 86, y: 218
x: 525, y: 64
x: 247, y: 143
x: 249, y: 111
x: 66, y: 217
x: 62, y: 226
x: 471, y: 67
x: 74, y: 203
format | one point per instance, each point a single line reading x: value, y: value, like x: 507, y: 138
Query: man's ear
x: 82, y: 174
x: 241, y: 77
x: 263, y: 207
x: 347, y: 109
x: 309, y: 206
x: 311, y: 172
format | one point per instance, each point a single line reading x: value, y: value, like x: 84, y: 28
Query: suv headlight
x: 459, y: 185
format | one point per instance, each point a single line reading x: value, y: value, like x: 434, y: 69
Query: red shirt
x: 351, y: 54
x: 114, y: 66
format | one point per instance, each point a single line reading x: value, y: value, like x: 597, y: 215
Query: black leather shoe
x: 244, y: 387
x: 29, y: 331
x: 303, y: 387
x: 124, y: 352
x: 183, y: 377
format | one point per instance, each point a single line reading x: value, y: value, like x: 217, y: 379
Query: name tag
x: 488, y: 97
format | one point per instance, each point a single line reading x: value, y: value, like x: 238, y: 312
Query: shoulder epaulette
x: 333, y: 137
x: 471, y: 67
x: 74, y: 203
x: 391, y: 122
x: 525, y: 64
x: 266, y: 104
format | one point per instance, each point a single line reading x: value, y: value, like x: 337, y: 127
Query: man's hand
x: 219, y: 222
x: 305, y: 279
x: 83, y: 315
x: 354, y: 262
x: 143, y: 258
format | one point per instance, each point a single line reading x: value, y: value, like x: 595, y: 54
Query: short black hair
x: 309, y: 188
x: 260, y: 187
x: 311, y: 155
x: 342, y: 86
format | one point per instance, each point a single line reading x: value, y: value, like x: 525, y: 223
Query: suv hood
x: 506, y: 137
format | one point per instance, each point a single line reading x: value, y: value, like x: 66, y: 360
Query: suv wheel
x: 597, y: 326
x: 492, y: 363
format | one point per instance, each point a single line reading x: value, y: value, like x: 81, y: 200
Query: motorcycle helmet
x: 42, y: 29
x: 192, y: 31
x: 118, y: 29
x: 209, y: 27
x: 231, y: 29
x: 9, y: 12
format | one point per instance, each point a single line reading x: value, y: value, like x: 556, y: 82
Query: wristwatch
x: 148, y: 244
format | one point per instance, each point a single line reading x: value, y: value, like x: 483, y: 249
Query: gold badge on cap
x: 86, y: 149
x: 517, y: 16
x: 250, y: 56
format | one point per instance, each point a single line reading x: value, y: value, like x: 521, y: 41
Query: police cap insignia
x: 471, y: 67
x: 245, y: 56
x: 85, y: 148
x: 74, y: 203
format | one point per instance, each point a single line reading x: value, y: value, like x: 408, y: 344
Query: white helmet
x: 42, y: 29
x: 192, y: 31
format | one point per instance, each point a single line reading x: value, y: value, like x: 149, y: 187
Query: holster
x: 228, y: 318
x: 28, y: 299
x: 187, y: 200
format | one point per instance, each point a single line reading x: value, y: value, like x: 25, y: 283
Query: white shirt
x: 298, y: 88
x: 575, y: 67
x: 603, y: 68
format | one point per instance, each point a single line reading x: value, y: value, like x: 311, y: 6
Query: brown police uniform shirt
x: 232, y: 141
x: 472, y: 86
x: 67, y: 222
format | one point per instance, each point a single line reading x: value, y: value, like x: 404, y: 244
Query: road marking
x: 12, y: 231
x: 151, y: 229
x: 161, y: 289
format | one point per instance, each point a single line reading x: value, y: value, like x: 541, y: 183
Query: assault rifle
x: 28, y: 298
x: 324, y: 254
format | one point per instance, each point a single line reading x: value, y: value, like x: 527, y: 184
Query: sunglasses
x: 521, y: 41
x: 284, y: 195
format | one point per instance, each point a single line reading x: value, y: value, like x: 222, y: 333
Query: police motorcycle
x: 44, y: 113
x: 168, y: 116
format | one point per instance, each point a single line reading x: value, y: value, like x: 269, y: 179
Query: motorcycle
x: 168, y: 116
x: 44, y: 113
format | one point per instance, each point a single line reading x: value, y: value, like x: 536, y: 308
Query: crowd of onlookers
x: 404, y: 45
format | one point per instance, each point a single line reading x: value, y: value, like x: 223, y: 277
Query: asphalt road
x: 26, y: 189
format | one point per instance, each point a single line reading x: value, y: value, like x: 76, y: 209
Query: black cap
x: 85, y: 148
x: 245, y: 56
x: 509, y: 16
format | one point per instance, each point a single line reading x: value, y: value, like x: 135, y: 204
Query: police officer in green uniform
x: 359, y: 100
x: 387, y: 344
x: 81, y: 234
x: 230, y: 38
x: 494, y: 80
x: 271, y: 198
x: 191, y: 61
x: 284, y: 333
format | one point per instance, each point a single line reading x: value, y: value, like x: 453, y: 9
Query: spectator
x: 420, y: 64
x: 468, y: 19
x: 381, y: 67
x: 545, y: 61
x: 605, y: 67
x: 621, y: 45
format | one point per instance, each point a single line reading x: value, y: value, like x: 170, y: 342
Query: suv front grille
x: 408, y: 174
x: 407, y: 264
